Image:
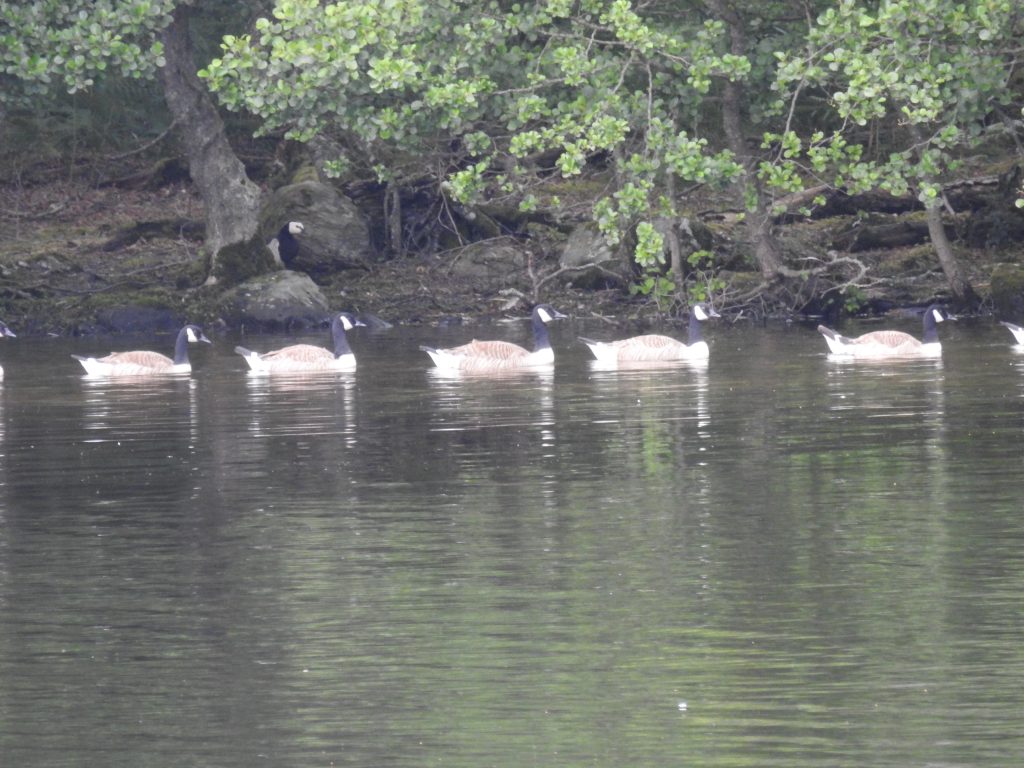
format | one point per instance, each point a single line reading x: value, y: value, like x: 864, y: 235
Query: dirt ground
x: 67, y: 263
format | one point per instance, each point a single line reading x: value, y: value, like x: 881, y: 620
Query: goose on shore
x: 1016, y: 330
x: 287, y: 244
x: 144, y: 362
x: 307, y: 357
x: 494, y: 356
x: 5, y: 332
x: 884, y: 344
x: 654, y: 347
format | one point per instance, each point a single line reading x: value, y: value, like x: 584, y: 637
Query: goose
x: 144, y: 362
x: 1016, y: 330
x: 287, y: 243
x: 885, y: 344
x: 306, y: 357
x: 5, y: 331
x: 653, y: 347
x: 494, y: 356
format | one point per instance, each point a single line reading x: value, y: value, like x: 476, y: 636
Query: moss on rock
x: 239, y: 262
x: 1007, y: 288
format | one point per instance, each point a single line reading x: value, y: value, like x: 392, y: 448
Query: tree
x: 46, y: 45
x: 936, y: 73
x: 496, y: 99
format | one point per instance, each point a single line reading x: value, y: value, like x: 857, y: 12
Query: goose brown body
x: 297, y: 358
x: 143, y: 362
x: 888, y: 343
x: 649, y: 347
x: 497, y: 356
x: 656, y: 348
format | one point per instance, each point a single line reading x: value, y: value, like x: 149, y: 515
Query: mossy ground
x: 64, y: 268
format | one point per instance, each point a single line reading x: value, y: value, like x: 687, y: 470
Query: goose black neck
x: 181, y: 347
x: 931, y: 331
x: 541, y: 340
x: 695, y: 334
x: 341, y: 346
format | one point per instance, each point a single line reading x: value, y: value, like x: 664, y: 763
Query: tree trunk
x: 231, y: 199
x: 393, y: 219
x: 963, y: 293
x: 962, y: 290
x: 757, y: 222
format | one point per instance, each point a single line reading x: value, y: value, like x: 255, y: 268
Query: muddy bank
x: 80, y: 257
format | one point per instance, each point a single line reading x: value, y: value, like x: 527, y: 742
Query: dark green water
x: 775, y: 561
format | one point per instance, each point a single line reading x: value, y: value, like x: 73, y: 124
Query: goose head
x: 698, y: 314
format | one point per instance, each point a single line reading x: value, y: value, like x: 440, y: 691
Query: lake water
x: 773, y: 561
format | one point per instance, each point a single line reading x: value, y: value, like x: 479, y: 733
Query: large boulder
x: 279, y: 300
x: 489, y: 266
x: 589, y: 261
x: 1007, y: 289
x: 335, y: 236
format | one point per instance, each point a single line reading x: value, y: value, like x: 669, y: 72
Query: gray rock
x: 1007, y: 288
x: 590, y: 260
x: 281, y: 299
x: 490, y: 266
x: 336, y: 235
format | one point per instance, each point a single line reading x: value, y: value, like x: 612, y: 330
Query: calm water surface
x: 775, y: 560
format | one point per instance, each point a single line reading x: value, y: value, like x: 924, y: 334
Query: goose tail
x: 252, y: 358
x: 837, y: 344
x: 603, y: 351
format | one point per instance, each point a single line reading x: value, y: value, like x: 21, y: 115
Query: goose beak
x: 202, y: 338
x: 712, y: 313
x: 559, y: 316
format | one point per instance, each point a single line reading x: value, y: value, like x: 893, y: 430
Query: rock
x: 591, y: 260
x: 280, y: 299
x: 1007, y: 289
x: 489, y: 266
x: 336, y: 236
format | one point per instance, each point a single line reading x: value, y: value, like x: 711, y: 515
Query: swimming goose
x: 287, y: 243
x: 653, y: 347
x: 5, y: 331
x: 884, y: 344
x: 493, y: 356
x: 306, y: 357
x: 143, y: 362
x: 1016, y: 330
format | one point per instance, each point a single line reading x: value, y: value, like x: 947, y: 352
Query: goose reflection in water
x: 297, y: 403
x: 491, y: 408
x: 666, y: 401
x: 135, y: 405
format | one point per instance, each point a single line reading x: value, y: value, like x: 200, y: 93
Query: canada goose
x: 287, y: 243
x: 1016, y: 330
x: 5, y: 331
x: 883, y: 344
x: 143, y: 362
x: 653, y: 347
x: 306, y: 357
x: 493, y: 356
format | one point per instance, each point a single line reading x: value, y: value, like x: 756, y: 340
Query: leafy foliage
x: 938, y: 71
x: 493, y: 97
x: 49, y: 43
